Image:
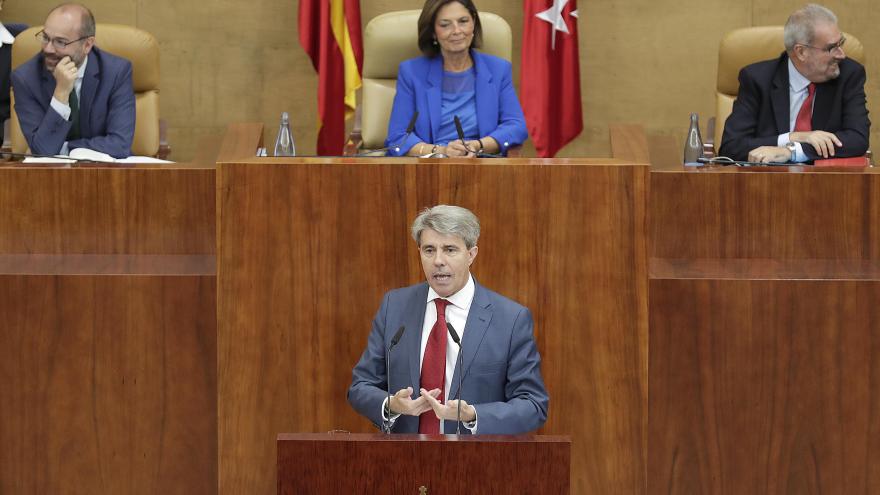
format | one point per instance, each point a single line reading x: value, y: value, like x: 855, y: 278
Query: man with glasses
x: 807, y: 104
x: 71, y: 94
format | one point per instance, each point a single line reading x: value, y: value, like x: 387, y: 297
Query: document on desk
x: 90, y: 155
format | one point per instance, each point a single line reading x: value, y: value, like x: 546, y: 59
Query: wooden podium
x: 336, y: 463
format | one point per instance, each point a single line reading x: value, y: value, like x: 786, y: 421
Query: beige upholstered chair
x: 740, y: 48
x: 389, y: 39
x: 136, y: 45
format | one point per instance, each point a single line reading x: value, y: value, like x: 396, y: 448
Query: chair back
x: 391, y: 38
x: 131, y: 43
x: 745, y: 46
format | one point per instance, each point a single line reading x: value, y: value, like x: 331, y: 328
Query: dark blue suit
x: 419, y: 81
x: 761, y: 110
x: 502, y: 368
x: 107, y: 106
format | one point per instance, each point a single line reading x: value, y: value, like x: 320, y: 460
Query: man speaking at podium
x: 807, y: 104
x: 71, y: 94
x: 502, y: 390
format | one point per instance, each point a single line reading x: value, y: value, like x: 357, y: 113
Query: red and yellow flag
x: 330, y: 32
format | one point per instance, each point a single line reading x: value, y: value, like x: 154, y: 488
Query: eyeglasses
x: 830, y: 48
x: 58, y: 43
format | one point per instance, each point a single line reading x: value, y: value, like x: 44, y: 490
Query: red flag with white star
x: 550, y: 81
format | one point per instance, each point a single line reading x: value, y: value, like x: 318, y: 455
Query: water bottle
x: 693, y: 145
x: 284, y: 142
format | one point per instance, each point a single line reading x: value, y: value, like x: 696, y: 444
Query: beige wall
x: 643, y: 61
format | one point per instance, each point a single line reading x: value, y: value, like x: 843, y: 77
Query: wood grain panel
x: 308, y: 247
x: 107, y: 211
x: 764, y: 387
x: 774, y: 215
x: 358, y: 463
x: 109, y: 385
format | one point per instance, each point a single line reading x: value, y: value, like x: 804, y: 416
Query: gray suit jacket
x: 502, y: 367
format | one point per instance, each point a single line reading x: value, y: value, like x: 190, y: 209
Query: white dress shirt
x: 456, y: 314
x: 63, y: 109
x: 797, y: 92
x: 6, y: 38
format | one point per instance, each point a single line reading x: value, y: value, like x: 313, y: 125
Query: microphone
x: 30, y: 155
x: 460, y: 133
x: 458, y: 363
x: 409, y: 130
x: 394, y: 340
x: 723, y: 160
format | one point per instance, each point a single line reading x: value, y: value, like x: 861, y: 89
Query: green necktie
x: 74, y: 116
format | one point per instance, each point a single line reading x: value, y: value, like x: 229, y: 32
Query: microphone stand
x: 458, y: 362
x: 386, y: 425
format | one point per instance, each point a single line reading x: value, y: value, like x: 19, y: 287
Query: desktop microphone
x: 479, y: 154
x: 394, y: 340
x: 723, y: 160
x: 458, y: 363
x: 409, y: 130
x: 460, y: 133
x: 30, y: 155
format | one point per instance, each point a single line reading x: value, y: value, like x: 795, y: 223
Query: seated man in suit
x: 807, y: 104
x: 71, y: 94
x: 502, y: 390
x: 8, y: 32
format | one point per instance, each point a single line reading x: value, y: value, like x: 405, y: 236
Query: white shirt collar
x: 461, y: 299
x: 6, y: 38
x: 796, y: 81
x: 81, y: 71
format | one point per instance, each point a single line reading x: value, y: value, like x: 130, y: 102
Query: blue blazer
x: 419, y: 81
x: 107, y: 106
x: 502, y: 368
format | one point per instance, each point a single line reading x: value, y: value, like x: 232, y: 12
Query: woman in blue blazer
x: 452, y: 79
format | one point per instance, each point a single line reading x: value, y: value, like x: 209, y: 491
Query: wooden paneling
x: 779, y: 214
x: 764, y: 387
x: 308, y: 247
x: 109, y: 384
x: 107, y: 211
x: 352, y: 463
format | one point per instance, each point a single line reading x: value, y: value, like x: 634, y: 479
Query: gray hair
x: 800, y: 27
x: 448, y: 220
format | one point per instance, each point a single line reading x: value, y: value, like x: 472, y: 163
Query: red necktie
x: 805, y: 115
x: 434, y: 367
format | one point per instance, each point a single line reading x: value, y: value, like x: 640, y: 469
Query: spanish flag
x: 330, y: 32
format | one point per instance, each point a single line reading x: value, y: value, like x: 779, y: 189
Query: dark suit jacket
x: 5, y: 69
x: 419, y: 88
x: 107, y: 106
x: 761, y: 110
x: 502, y: 368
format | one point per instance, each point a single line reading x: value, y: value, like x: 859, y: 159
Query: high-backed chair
x: 142, y: 50
x: 389, y: 39
x: 745, y: 46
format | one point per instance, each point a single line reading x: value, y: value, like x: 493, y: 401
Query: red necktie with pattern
x: 804, y: 121
x: 434, y: 367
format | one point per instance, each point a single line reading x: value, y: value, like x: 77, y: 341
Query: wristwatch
x: 792, y: 148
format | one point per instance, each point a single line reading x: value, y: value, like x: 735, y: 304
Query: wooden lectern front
x: 337, y: 463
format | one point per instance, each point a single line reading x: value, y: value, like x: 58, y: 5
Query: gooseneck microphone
x: 409, y: 130
x: 64, y: 158
x: 460, y: 132
x: 458, y: 363
x: 386, y: 425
